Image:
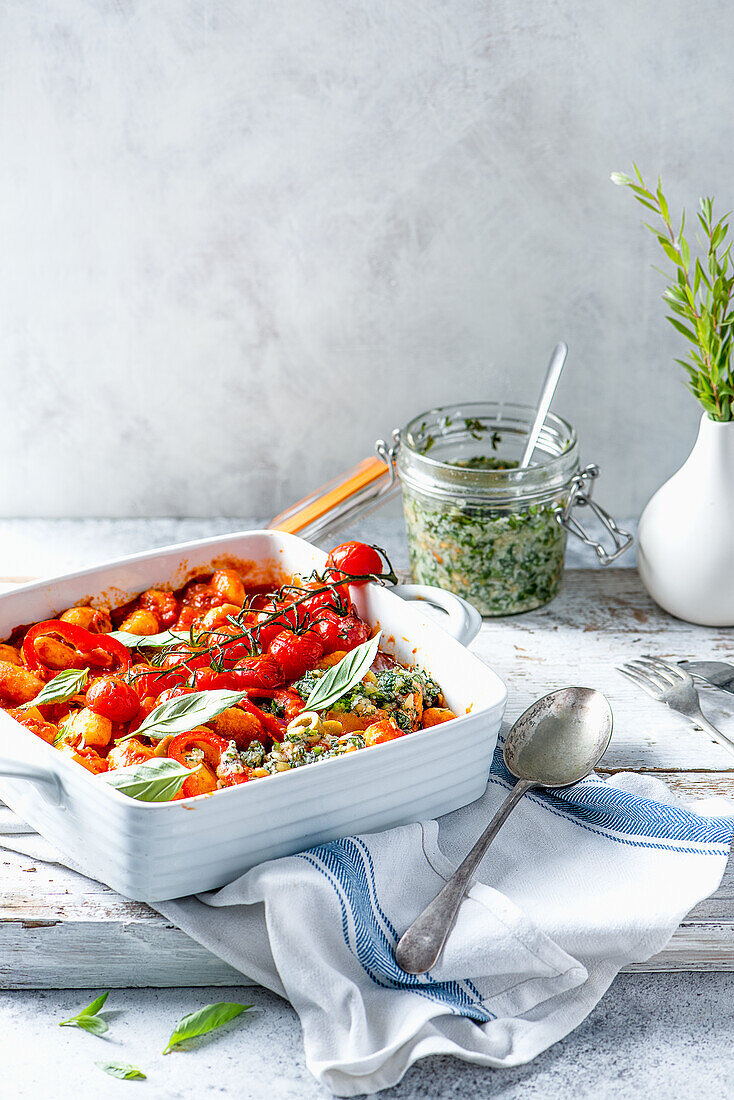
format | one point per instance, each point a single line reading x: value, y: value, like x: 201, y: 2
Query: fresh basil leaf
x: 154, y: 781
x: 339, y: 679
x: 123, y: 1070
x: 148, y: 641
x: 94, y: 1007
x: 183, y: 714
x: 94, y: 1024
x: 87, y: 1019
x: 63, y: 686
x: 206, y: 1019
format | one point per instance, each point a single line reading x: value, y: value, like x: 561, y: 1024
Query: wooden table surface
x: 60, y: 930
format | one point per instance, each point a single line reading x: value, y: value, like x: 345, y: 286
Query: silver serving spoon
x: 552, y: 375
x: 556, y: 742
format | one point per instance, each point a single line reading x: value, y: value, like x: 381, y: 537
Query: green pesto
x: 501, y: 561
x: 390, y: 690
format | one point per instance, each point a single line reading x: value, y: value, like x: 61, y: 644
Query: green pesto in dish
x: 402, y: 693
x: 502, y: 560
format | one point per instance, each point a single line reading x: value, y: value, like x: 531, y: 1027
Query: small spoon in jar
x: 552, y: 376
x: 558, y: 741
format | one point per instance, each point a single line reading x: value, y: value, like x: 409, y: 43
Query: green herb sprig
x: 88, y: 1019
x: 343, y: 676
x: 700, y: 297
x: 205, y: 1020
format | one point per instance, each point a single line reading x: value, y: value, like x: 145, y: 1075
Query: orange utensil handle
x: 330, y: 496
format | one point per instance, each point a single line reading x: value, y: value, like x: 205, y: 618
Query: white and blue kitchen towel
x: 576, y: 885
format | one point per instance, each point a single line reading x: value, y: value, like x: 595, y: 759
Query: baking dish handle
x: 11, y: 768
x: 460, y: 619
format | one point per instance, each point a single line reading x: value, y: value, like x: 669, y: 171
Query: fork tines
x: 653, y: 675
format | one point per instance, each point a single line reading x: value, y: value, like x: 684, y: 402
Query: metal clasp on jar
x: 582, y: 487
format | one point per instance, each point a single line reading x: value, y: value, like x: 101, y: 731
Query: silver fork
x: 674, y: 686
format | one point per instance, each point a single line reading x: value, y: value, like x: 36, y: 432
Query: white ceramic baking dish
x: 154, y: 851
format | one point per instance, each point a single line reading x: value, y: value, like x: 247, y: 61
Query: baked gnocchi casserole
x: 180, y: 693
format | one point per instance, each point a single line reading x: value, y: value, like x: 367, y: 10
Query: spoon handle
x: 421, y: 946
x: 552, y: 375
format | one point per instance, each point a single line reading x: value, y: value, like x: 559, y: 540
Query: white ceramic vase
x: 685, y: 546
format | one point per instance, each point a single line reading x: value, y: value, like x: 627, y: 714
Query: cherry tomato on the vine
x: 354, y: 559
x: 208, y: 679
x: 258, y: 672
x: 295, y: 653
x: 340, y: 631
x: 174, y: 693
x: 152, y: 682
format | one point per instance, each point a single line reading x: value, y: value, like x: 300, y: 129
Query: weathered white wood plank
x: 58, y: 929
x: 600, y: 619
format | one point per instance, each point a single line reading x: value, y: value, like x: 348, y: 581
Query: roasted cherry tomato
x: 153, y: 682
x: 184, y: 655
x: 209, y: 679
x: 326, y: 626
x: 174, y: 693
x: 111, y: 697
x: 228, y: 645
x: 286, y: 617
x: 332, y: 598
x: 295, y: 653
x: 210, y: 744
x: 351, y: 633
x: 97, y: 650
x: 263, y: 672
x: 354, y: 559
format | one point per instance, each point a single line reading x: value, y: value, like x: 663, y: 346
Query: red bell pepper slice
x: 82, y: 640
x: 211, y: 744
x: 272, y: 725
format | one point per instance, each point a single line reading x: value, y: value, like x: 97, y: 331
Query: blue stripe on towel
x: 627, y: 818
x: 370, y: 935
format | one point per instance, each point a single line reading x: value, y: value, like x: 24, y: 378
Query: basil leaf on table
x: 149, y: 641
x: 87, y: 1019
x: 64, y: 686
x: 182, y: 714
x: 157, y: 780
x: 206, y: 1019
x: 123, y: 1070
x: 342, y: 677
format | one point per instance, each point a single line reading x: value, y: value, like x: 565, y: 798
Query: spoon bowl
x: 560, y: 738
x: 556, y: 742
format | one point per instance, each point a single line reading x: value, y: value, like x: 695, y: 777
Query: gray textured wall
x: 241, y: 240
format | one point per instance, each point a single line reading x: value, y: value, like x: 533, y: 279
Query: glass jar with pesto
x: 480, y: 526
